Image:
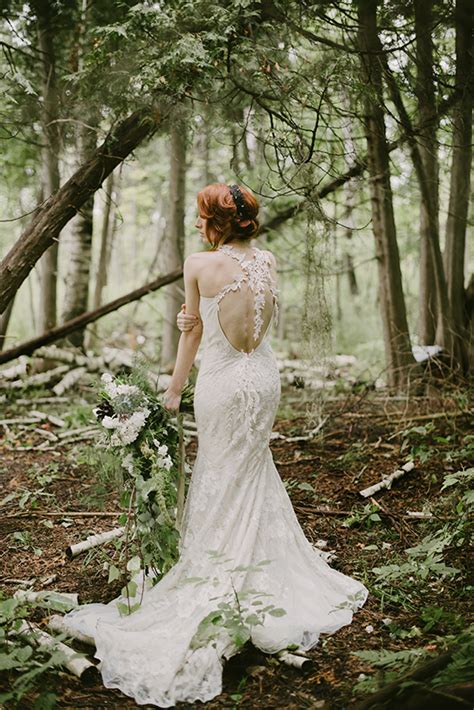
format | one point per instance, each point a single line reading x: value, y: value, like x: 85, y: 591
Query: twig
x: 66, y: 514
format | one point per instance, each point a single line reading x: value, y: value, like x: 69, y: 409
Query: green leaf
x: 277, y: 612
x: 114, y: 573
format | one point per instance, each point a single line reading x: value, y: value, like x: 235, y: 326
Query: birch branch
x: 387, y: 481
x: 93, y: 541
x: 69, y: 380
x: 76, y: 663
x: 59, y: 601
x: 56, y: 623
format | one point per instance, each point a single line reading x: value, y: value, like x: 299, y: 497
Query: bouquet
x: 143, y: 436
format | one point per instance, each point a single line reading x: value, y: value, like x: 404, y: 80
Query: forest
x: 351, y: 123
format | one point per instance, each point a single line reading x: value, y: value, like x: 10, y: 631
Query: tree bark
x: 173, y: 242
x: 396, y: 335
x: 105, y: 244
x: 428, y: 147
x: 50, y: 159
x: 4, y: 321
x: 80, y: 249
x: 84, y: 319
x: 443, y: 334
x: 51, y: 217
x: 460, y: 176
x: 107, y: 234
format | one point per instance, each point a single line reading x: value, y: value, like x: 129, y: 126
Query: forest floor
x: 365, y: 437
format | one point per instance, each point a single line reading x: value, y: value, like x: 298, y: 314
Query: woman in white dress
x: 241, y: 544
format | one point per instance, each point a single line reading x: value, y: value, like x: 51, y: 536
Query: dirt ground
x: 359, y: 443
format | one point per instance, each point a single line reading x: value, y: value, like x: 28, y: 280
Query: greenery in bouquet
x: 142, y: 434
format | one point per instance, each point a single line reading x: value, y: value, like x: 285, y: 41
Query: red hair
x: 217, y: 206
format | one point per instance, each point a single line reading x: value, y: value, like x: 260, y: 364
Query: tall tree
x: 428, y: 147
x: 80, y: 247
x: 395, y: 326
x: 173, y: 244
x: 50, y: 155
x: 460, y: 175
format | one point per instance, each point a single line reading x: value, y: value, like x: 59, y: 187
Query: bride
x: 246, y: 569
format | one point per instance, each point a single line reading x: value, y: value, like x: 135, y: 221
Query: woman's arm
x: 189, y: 340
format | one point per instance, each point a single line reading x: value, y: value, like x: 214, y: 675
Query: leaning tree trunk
x: 428, y: 148
x: 396, y: 335
x: 56, y: 212
x: 78, y: 323
x: 173, y: 256
x: 50, y: 162
x: 460, y: 176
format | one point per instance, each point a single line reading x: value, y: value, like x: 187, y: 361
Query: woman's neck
x: 238, y: 244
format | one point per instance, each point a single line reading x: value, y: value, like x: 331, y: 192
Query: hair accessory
x: 242, y: 210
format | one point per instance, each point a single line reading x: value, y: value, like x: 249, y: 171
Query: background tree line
x: 352, y: 121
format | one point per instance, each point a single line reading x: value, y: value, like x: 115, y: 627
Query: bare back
x: 243, y: 282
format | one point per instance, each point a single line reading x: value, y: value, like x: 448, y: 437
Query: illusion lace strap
x: 256, y: 272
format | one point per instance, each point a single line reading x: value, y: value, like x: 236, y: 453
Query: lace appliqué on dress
x: 256, y: 272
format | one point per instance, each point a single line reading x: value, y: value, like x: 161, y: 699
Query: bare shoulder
x: 196, y: 260
x: 271, y: 256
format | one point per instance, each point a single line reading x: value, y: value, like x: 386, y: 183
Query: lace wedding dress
x: 241, y: 545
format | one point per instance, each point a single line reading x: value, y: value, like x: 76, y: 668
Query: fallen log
x: 84, y: 319
x: 395, y: 692
x: 76, y: 663
x: 69, y: 380
x: 59, y: 601
x: 56, y: 623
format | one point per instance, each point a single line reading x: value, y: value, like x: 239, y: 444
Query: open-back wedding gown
x: 239, y: 533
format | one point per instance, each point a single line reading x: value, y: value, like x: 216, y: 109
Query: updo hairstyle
x: 216, y: 204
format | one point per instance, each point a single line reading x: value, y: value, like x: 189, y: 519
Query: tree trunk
x: 107, y: 235
x: 174, y: 242
x: 51, y: 217
x: 4, y: 321
x: 443, y: 335
x: 460, y: 176
x: 428, y: 147
x: 50, y: 161
x: 396, y: 336
x: 347, y: 260
x: 105, y: 244
x: 80, y: 249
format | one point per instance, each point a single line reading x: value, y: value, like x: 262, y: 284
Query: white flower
x: 167, y: 463
x: 369, y: 629
x: 110, y: 422
x: 127, y: 463
x: 163, y: 450
x: 126, y: 389
x: 387, y: 621
x: 107, y: 377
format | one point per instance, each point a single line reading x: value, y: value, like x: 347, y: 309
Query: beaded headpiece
x: 242, y: 210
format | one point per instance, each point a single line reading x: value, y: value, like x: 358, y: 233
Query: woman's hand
x: 171, y: 400
x: 184, y: 321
